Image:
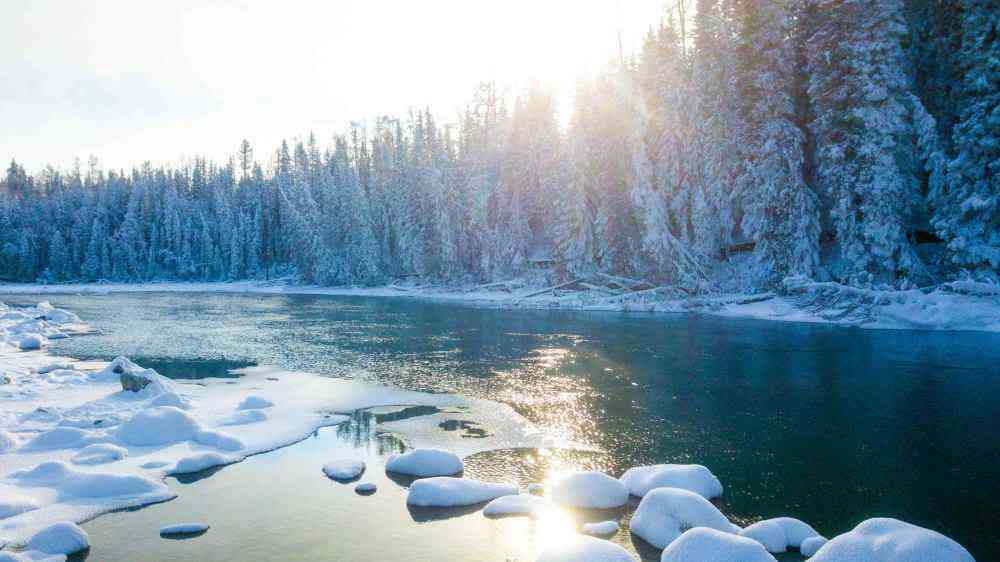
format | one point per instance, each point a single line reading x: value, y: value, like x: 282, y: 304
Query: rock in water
x: 183, y: 529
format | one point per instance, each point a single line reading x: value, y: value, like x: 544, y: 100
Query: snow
x: 425, y: 462
x: 445, y: 491
x: 254, y: 402
x: 664, y: 513
x: 100, y: 453
x: 366, y: 488
x: 694, y: 477
x: 12, y: 504
x: 602, y: 528
x: 243, y: 417
x: 780, y: 533
x: 344, y: 469
x: 590, y: 490
x: 61, y: 538
x: 183, y: 529
x: 582, y: 548
x: 7, y: 441
x: 812, y: 545
x: 199, y: 462
x: 515, y: 505
x: 891, y: 540
x: 702, y: 544
x: 58, y: 438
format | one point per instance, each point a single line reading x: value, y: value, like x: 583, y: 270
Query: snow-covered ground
x: 959, y: 305
x: 74, y: 443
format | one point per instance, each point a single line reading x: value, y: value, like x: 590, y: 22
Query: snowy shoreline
x: 957, y: 306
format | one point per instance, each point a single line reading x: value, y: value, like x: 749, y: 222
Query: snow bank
x: 581, y: 548
x: 344, y: 469
x: 590, y: 490
x: 812, y: 545
x: 702, y: 544
x: 694, y: 477
x: 254, y: 402
x: 199, y: 462
x: 515, y: 505
x: 183, y: 529
x: 603, y: 528
x: 891, y: 540
x: 665, y: 513
x: 70, y: 483
x: 100, y: 453
x: 780, y: 533
x: 425, y: 462
x: 164, y: 425
x: 60, y: 538
x: 445, y: 491
x: 12, y: 504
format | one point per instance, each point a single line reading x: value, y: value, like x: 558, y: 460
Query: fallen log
x: 554, y: 288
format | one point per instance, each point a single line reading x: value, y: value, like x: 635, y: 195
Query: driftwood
x: 550, y: 289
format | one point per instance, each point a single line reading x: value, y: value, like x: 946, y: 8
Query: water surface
x: 832, y: 425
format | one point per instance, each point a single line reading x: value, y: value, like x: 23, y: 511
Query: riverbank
x: 955, y: 306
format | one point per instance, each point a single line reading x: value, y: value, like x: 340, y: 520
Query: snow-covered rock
x: 510, y: 506
x: 99, y: 453
x: 199, y: 462
x: 344, y: 469
x: 163, y: 425
x: 694, y: 477
x: 602, y: 528
x: 60, y: 538
x: 254, y: 402
x: 590, y: 490
x: 665, y: 513
x: 366, y: 488
x: 425, y: 462
x: 171, y: 399
x: 780, y: 533
x: 812, y: 545
x: 445, y: 491
x: 581, y: 548
x: 891, y: 540
x: 134, y: 378
x: 183, y: 529
x: 702, y: 544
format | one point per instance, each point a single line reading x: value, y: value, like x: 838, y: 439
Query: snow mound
x: 164, y: 425
x: 779, y: 533
x: 425, y: 462
x: 254, y: 402
x: 603, y: 528
x: 29, y: 342
x: 694, y: 477
x: 7, y: 441
x: 55, y: 367
x: 15, y: 504
x: 199, y: 462
x: 99, y: 453
x: 590, y: 490
x: 665, y: 513
x: 812, y: 545
x: 58, y: 438
x: 510, y: 506
x: 344, y: 469
x: 445, y: 491
x: 60, y: 538
x: 366, y: 488
x: 891, y: 540
x: 244, y: 417
x: 171, y: 399
x: 70, y: 483
x: 702, y: 544
x: 183, y: 529
x: 585, y: 549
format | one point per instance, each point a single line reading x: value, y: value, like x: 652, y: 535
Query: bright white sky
x: 130, y: 81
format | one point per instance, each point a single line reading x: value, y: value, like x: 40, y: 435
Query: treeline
x: 747, y: 141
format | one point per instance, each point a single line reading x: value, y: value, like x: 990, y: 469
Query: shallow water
x: 831, y: 425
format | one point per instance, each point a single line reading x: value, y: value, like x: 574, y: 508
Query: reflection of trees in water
x: 361, y: 430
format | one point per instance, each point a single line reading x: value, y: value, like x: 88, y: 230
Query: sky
x: 130, y: 81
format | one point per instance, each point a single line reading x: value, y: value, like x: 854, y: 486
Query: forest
x: 746, y: 142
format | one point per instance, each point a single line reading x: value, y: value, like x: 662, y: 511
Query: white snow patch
x: 183, y: 529
x: 590, y: 490
x: 445, y: 491
x: 243, y: 417
x: 694, y: 477
x: 665, y: 513
x: 515, y: 505
x: 582, y: 548
x: 812, y: 545
x: 425, y: 462
x: 891, y: 540
x: 344, y: 469
x: 702, y: 544
x: 602, y: 528
x: 12, y: 504
x: 254, y: 402
x: 199, y: 462
x: 61, y: 538
x: 100, y: 453
x: 780, y: 533
x: 58, y: 438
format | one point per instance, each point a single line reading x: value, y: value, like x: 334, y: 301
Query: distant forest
x: 747, y: 141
